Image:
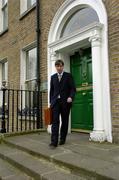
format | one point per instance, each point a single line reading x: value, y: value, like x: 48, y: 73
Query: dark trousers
x: 63, y: 109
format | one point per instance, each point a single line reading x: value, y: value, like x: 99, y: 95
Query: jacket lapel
x: 56, y: 78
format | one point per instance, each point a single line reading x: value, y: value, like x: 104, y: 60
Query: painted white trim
x: 68, y: 8
x: 23, y: 6
x: 54, y: 42
x: 26, y: 48
x: 98, y: 133
x: 0, y: 84
x: 23, y: 80
x: 76, y: 37
x: 2, y: 28
x: 3, y: 60
x: 1, y: 17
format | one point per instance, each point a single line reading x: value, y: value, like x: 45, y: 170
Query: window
x: 80, y: 19
x: 4, y: 15
x: 26, y: 4
x: 30, y: 82
x: 30, y: 3
x: 3, y: 77
x: 4, y: 71
x: 28, y: 75
x: 31, y: 69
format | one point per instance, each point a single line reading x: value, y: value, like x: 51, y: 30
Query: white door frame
x: 96, y: 34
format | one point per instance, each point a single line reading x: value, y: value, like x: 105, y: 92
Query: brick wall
x: 47, y: 12
x: 22, y: 32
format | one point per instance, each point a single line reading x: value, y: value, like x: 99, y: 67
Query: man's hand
x: 69, y: 99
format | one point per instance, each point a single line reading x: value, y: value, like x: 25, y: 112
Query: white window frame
x: 27, y: 59
x: 3, y: 27
x: 23, y: 79
x: 24, y: 51
x: 25, y: 5
x: 1, y: 71
x: 1, y: 78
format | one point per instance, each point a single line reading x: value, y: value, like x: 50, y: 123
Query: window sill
x: 4, y: 31
x: 24, y: 14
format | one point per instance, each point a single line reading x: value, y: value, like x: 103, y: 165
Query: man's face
x: 59, y: 68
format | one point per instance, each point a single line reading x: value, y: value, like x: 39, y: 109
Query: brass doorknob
x: 85, y: 84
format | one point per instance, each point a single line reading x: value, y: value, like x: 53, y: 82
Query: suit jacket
x: 65, y: 88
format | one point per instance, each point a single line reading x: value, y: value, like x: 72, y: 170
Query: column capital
x: 95, y: 40
x: 98, y: 136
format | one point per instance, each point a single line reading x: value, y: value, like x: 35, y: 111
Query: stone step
x: 36, y: 168
x: 9, y: 172
x: 77, y: 163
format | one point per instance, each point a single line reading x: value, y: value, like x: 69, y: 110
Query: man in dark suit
x: 62, y: 92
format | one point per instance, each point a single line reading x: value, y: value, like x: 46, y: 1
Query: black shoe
x: 52, y: 146
x: 61, y: 142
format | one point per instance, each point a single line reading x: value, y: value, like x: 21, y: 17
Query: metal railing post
x: 38, y: 62
x: 3, y: 128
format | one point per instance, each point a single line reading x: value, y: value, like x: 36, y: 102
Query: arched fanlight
x: 79, y: 20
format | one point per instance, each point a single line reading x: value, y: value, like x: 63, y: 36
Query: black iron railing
x: 19, y: 110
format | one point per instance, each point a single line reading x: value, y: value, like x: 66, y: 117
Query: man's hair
x: 59, y: 62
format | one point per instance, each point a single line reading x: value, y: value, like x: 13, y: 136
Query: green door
x: 82, y: 109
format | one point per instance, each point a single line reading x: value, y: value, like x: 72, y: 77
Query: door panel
x: 82, y: 109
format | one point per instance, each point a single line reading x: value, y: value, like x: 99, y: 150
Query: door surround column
x: 98, y: 133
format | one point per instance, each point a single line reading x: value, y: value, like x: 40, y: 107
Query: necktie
x: 59, y: 77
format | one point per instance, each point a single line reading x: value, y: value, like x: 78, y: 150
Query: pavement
x: 77, y: 159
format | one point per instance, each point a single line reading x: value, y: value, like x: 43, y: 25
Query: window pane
x: 30, y: 3
x: 31, y: 85
x: 30, y: 97
x: 79, y: 20
x: 5, y: 17
x: 33, y: 2
x: 4, y: 71
x: 31, y: 64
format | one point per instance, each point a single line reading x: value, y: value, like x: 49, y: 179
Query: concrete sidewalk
x: 99, y: 160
